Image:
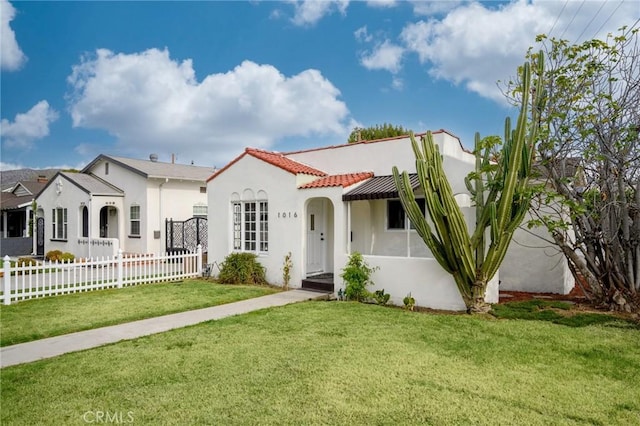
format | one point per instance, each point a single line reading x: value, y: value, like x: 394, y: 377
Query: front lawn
x: 53, y: 316
x: 342, y: 363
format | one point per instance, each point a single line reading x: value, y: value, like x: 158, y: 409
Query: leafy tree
x: 376, y: 132
x: 593, y: 115
x: 499, y: 186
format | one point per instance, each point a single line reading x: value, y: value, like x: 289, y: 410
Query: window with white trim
x: 264, y: 226
x: 250, y: 225
x: 134, y: 220
x: 59, y: 223
x: 200, y: 210
x: 396, y: 216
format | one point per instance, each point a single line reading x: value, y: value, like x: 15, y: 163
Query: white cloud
x: 152, y: 103
x: 11, y: 166
x: 385, y: 56
x: 477, y: 46
x: 309, y: 12
x: 11, y: 57
x: 362, y: 35
x: 382, y: 3
x: 28, y: 127
x: 427, y: 8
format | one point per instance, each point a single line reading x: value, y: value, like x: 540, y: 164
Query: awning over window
x: 378, y: 187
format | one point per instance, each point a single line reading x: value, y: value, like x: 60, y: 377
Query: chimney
x: 42, y: 179
x: 173, y: 158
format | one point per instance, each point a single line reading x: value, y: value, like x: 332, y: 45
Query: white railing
x: 23, y: 282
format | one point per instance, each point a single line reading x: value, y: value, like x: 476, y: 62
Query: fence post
x: 120, y: 268
x: 6, y: 282
x: 199, y: 265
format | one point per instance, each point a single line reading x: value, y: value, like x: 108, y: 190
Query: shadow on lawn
x: 558, y: 312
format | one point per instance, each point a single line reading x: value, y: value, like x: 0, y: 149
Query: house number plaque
x: 287, y: 215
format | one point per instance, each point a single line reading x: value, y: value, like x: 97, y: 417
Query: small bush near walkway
x: 242, y: 268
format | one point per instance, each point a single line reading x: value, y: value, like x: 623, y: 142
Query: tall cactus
x: 498, y: 187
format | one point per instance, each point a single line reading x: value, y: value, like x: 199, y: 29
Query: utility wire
x: 572, y: 19
x: 558, y: 17
x: 587, y: 26
x: 607, y: 20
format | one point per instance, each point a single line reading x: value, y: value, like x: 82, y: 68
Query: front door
x: 40, y: 236
x: 315, y: 237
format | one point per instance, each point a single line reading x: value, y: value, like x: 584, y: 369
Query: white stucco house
x: 323, y: 204
x: 120, y: 203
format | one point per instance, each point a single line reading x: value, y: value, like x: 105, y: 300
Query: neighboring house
x: 534, y: 263
x: 323, y: 204
x: 15, y: 223
x: 120, y: 203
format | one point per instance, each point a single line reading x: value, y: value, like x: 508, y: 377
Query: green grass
x: 342, y: 363
x: 557, y: 312
x: 53, y: 316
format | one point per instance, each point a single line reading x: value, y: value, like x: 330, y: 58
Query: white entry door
x: 315, y: 237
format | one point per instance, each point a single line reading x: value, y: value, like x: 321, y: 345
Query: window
x: 59, y: 223
x: 134, y: 218
x: 203, y: 189
x: 200, y: 209
x: 250, y: 226
x: 264, y: 226
x: 396, y: 217
x: 85, y: 222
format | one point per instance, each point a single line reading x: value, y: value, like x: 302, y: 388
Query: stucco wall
x: 428, y: 283
x: 532, y: 264
x: 250, y: 175
x: 378, y: 157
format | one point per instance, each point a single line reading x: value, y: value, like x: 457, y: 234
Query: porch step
x: 319, y: 283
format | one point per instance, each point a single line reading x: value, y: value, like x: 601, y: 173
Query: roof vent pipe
x: 153, y: 157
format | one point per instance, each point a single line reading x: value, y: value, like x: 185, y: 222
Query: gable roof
x: 156, y: 169
x: 21, y: 195
x: 379, y: 187
x: 88, y: 183
x: 275, y: 159
x: 344, y: 181
x: 287, y: 164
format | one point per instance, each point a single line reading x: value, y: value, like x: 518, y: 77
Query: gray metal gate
x: 186, y: 234
x: 40, y: 236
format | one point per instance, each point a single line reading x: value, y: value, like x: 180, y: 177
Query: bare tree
x: 592, y: 120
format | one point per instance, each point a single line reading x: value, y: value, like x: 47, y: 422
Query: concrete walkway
x: 54, y: 346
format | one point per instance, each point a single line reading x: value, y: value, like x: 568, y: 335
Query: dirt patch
x: 577, y: 298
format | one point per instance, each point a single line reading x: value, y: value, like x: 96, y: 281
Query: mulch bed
x: 575, y: 296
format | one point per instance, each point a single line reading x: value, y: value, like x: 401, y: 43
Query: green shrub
x: 357, y: 275
x: 241, y: 268
x: 381, y: 297
x: 53, y: 255
x: 57, y: 255
x: 26, y: 261
x: 409, y: 302
x: 68, y: 257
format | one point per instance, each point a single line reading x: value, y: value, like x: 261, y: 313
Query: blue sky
x: 203, y: 80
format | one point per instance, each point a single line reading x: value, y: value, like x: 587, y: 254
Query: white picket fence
x: 23, y: 282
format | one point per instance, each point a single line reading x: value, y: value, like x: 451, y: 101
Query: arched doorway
x: 108, y: 222
x: 319, y: 236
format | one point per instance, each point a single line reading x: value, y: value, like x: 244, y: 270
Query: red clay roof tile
x: 283, y: 162
x: 338, y: 180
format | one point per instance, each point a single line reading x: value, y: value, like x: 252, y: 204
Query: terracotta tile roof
x: 283, y: 162
x: 338, y: 180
